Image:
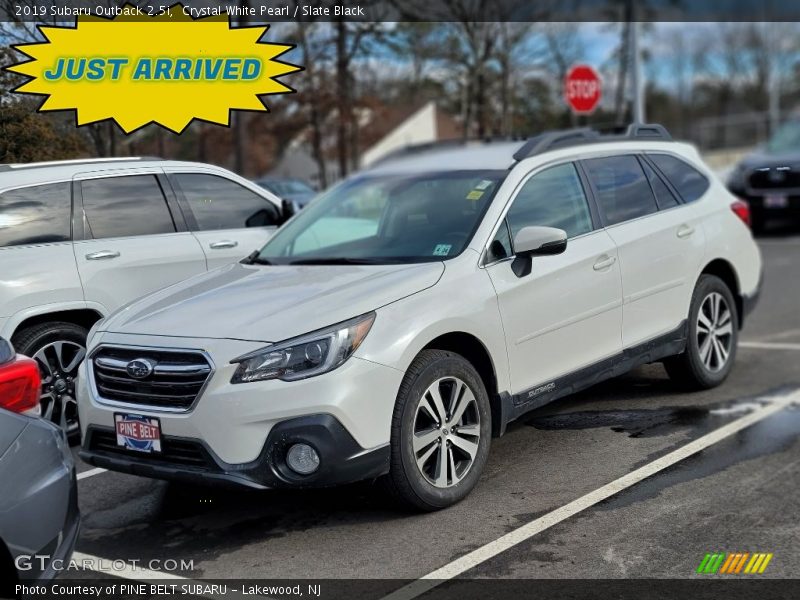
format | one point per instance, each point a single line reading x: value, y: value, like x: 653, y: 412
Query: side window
x: 690, y: 183
x: 35, y: 215
x: 664, y: 197
x: 622, y: 189
x: 500, y: 247
x: 552, y: 198
x: 124, y: 206
x: 219, y: 203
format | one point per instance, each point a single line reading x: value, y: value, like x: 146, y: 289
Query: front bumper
x: 342, y: 459
x: 231, y: 433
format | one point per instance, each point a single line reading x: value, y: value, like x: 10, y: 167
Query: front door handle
x: 102, y: 255
x: 685, y: 231
x: 223, y: 244
x: 604, y: 262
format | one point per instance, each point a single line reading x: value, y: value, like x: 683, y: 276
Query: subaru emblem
x: 140, y: 368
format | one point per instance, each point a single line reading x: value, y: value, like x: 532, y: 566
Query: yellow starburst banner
x: 167, y: 69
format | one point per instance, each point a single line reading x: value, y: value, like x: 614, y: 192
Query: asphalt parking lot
x: 740, y: 493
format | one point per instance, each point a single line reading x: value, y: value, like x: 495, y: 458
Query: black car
x: 769, y: 179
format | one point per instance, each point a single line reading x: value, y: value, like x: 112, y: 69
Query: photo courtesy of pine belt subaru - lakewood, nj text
x: 405, y: 317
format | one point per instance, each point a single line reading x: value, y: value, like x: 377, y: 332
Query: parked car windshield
x: 786, y: 138
x: 394, y: 218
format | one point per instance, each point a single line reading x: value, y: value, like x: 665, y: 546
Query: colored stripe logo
x: 734, y: 563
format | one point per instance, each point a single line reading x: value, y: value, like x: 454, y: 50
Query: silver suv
x: 78, y: 239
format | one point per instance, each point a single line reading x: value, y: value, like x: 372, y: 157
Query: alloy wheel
x: 446, y: 432
x: 714, y: 332
x: 58, y: 364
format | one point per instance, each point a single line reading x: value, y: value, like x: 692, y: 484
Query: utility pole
x: 774, y: 50
x: 637, y: 81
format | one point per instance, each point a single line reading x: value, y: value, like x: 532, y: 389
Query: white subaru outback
x: 402, y: 320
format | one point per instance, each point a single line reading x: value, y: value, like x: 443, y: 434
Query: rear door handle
x: 604, y: 262
x: 223, y: 244
x: 102, y: 255
x: 685, y: 231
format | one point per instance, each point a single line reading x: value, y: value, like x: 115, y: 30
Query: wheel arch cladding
x: 475, y: 352
x: 724, y: 270
x: 85, y: 317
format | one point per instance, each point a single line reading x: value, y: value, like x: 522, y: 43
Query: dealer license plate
x: 138, y: 432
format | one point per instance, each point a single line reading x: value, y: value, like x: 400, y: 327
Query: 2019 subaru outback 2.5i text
x: 410, y: 313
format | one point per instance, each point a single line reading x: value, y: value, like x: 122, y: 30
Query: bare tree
x: 314, y: 95
x: 564, y: 47
x: 350, y: 40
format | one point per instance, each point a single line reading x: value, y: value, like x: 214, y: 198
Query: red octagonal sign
x: 582, y: 89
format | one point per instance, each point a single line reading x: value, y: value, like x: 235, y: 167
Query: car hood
x: 270, y: 303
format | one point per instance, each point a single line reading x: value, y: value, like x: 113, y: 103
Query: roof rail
x: 652, y: 131
x: 412, y: 149
x: 75, y: 161
x: 552, y: 140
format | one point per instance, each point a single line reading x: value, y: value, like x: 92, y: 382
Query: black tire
x: 688, y: 370
x: 29, y: 341
x: 405, y: 480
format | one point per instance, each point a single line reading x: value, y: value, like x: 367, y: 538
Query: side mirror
x: 536, y: 241
x: 288, y: 210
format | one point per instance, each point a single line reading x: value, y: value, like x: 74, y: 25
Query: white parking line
x: 461, y: 565
x: 769, y: 345
x: 91, y: 473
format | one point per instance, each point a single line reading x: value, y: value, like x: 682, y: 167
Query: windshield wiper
x: 340, y: 261
x: 254, y: 259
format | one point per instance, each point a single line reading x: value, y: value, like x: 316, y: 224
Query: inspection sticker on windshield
x: 485, y: 183
x: 442, y: 249
x: 138, y: 432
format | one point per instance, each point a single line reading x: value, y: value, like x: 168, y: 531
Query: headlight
x: 305, y: 356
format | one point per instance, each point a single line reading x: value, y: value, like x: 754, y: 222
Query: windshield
x: 387, y: 219
x: 786, y: 138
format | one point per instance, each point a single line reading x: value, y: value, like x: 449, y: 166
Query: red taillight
x: 20, y: 385
x: 742, y: 210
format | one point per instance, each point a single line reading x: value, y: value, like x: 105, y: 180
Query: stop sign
x: 582, y: 89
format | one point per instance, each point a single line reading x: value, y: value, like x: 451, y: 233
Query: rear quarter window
x: 621, y: 187
x: 39, y: 214
x: 690, y: 183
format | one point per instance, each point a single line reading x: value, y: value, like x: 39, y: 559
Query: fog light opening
x: 302, y: 459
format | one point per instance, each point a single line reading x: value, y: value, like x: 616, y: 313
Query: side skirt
x: 511, y: 407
